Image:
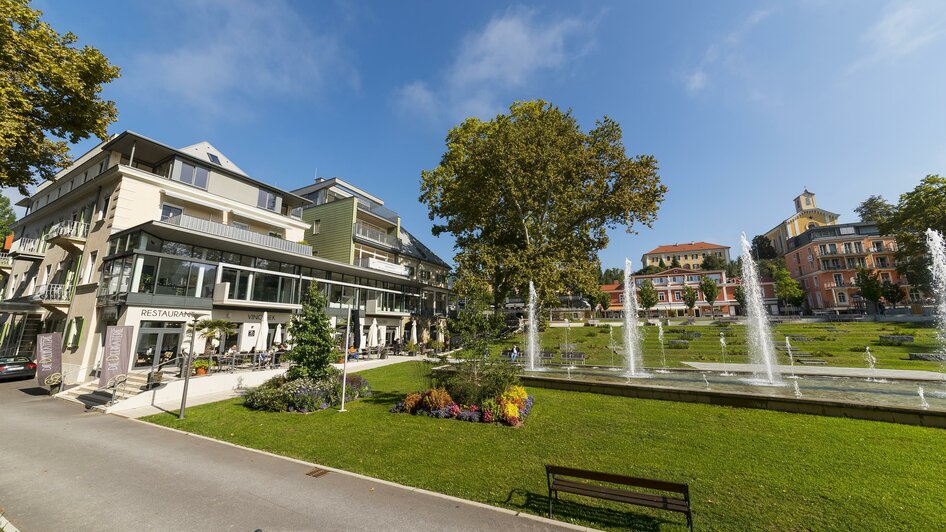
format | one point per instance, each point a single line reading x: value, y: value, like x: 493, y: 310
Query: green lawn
x: 839, y: 344
x: 747, y: 469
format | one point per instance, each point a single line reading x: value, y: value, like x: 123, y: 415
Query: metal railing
x: 376, y: 235
x: 52, y: 292
x: 236, y: 233
x: 69, y: 230
x: 6, y: 260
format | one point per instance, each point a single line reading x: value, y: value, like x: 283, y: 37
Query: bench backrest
x: 648, y: 483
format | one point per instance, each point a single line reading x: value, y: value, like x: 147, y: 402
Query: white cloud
x: 722, y: 54
x: 507, y: 54
x: 904, y: 28
x: 227, y: 53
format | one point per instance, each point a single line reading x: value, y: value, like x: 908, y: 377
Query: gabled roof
x: 611, y: 287
x: 204, y: 150
x: 683, y: 248
x: 413, y: 247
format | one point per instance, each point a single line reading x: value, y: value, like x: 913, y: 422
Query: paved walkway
x: 829, y: 371
x: 226, y: 391
x: 68, y: 469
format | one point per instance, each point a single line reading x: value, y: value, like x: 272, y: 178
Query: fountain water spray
x: 632, y: 342
x: 937, y: 250
x: 871, y: 362
x: 663, y: 350
x: 797, y: 390
x: 533, y: 334
x: 791, y: 358
x: 706, y: 382
x: 722, y: 347
x: 923, y: 404
x: 761, y: 347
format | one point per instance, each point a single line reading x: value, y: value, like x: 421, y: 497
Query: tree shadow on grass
x: 569, y: 509
x: 385, y: 398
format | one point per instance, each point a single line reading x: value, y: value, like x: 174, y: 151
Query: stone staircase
x: 95, y: 398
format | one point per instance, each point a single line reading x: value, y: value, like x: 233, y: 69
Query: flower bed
x: 305, y: 394
x: 510, y: 408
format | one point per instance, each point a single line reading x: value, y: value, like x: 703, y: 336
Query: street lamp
x: 186, y: 368
x: 345, y: 347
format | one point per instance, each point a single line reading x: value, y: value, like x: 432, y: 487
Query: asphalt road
x: 62, y: 468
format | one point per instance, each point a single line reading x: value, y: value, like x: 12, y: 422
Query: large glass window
x: 148, y: 274
x: 193, y: 175
x: 172, y: 277
x: 267, y: 200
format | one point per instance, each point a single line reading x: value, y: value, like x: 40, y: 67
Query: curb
x: 532, y: 517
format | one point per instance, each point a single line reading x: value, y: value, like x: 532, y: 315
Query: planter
x: 341, y: 360
x: 200, y: 371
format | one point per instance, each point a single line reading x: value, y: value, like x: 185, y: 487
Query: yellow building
x: 807, y: 216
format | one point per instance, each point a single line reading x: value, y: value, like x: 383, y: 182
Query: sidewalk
x: 220, y: 387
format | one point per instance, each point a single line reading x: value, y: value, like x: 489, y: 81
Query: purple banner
x: 117, y: 354
x: 49, y: 359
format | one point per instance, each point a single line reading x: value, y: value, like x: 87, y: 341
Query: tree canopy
x: 710, y: 289
x: 690, y: 297
x: 712, y: 262
x: 921, y: 208
x: 874, y: 209
x: 870, y: 285
x: 762, y: 248
x: 647, y: 295
x: 612, y: 275
x: 7, y: 217
x: 529, y: 196
x: 787, y: 290
x: 313, y: 339
x: 51, y: 96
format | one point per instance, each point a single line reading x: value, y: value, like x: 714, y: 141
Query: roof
x: 611, y: 287
x: 682, y: 248
x: 413, y: 247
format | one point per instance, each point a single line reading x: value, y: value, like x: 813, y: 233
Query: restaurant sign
x: 49, y: 359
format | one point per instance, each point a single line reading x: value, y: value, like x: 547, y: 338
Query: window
x: 316, y: 227
x: 842, y: 297
x: 677, y: 295
x: 75, y: 333
x: 104, y: 212
x: 838, y: 279
x: 170, y: 211
x: 90, y: 267
x: 193, y: 175
x: 267, y: 200
x: 661, y: 296
x: 213, y: 158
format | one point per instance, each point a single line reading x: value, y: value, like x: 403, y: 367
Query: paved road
x: 62, y: 468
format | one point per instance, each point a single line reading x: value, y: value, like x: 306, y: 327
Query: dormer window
x: 267, y: 200
x: 213, y: 158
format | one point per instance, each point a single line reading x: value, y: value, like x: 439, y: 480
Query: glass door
x: 147, y: 346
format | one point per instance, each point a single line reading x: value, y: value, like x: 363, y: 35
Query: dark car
x: 16, y: 367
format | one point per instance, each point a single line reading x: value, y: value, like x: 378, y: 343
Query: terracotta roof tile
x: 682, y: 248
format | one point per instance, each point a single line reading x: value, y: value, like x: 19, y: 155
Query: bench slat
x: 617, y: 479
x: 631, y: 497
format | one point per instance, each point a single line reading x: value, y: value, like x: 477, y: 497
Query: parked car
x: 16, y: 367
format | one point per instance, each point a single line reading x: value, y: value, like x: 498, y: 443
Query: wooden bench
x: 564, y: 479
x: 572, y: 356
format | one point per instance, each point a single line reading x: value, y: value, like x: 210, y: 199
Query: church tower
x: 805, y: 201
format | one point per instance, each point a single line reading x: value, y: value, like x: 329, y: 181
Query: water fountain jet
x: 761, y: 347
x: 532, y: 339
x: 632, y: 343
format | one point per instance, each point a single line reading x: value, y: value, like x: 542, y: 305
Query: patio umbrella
x: 414, y: 332
x: 355, y: 331
x: 277, y: 335
x: 373, y: 333
x: 382, y: 334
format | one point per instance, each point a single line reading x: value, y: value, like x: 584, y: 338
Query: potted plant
x: 201, y: 367
x: 411, y: 348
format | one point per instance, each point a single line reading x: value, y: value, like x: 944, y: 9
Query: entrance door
x: 156, y: 347
x: 147, y: 346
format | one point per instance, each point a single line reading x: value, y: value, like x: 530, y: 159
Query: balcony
x: 6, y: 261
x: 53, y: 296
x: 28, y: 248
x: 68, y: 235
x: 842, y: 284
x: 380, y: 265
x: 191, y: 223
x: 842, y: 252
x: 374, y: 236
x: 378, y: 210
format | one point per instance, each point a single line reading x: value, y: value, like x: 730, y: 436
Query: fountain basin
x: 892, y: 402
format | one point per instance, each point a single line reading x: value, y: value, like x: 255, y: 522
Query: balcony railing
x: 842, y: 252
x: 378, y: 210
x: 381, y: 265
x: 6, y: 261
x: 842, y: 284
x: 374, y: 235
x: 53, y: 293
x: 29, y: 246
x: 244, y: 235
x: 72, y: 230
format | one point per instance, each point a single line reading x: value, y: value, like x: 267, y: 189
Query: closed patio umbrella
x: 277, y: 334
x: 414, y: 332
x: 263, y: 333
x: 373, y: 333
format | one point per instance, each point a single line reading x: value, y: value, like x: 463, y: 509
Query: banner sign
x: 49, y: 359
x: 117, y: 354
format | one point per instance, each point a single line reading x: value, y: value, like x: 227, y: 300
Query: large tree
x: 893, y: 293
x: 872, y: 289
x: 921, y: 208
x: 7, y: 217
x: 690, y: 297
x: 710, y: 289
x: 612, y: 275
x: 313, y: 338
x: 529, y: 196
x: 647, y: 295
x: 874, y: 209
x: 712, y: 262
x: 50, y: 96
x: 787, y: 290
x: 762, y: 248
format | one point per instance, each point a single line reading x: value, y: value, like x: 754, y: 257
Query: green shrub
x: 436, y: 398
x: 679, y: 344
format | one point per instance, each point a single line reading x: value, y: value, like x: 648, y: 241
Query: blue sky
x: 743, y: 103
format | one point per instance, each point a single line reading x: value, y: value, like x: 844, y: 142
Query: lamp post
x: 186, y: 368
x: 345, y: 358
